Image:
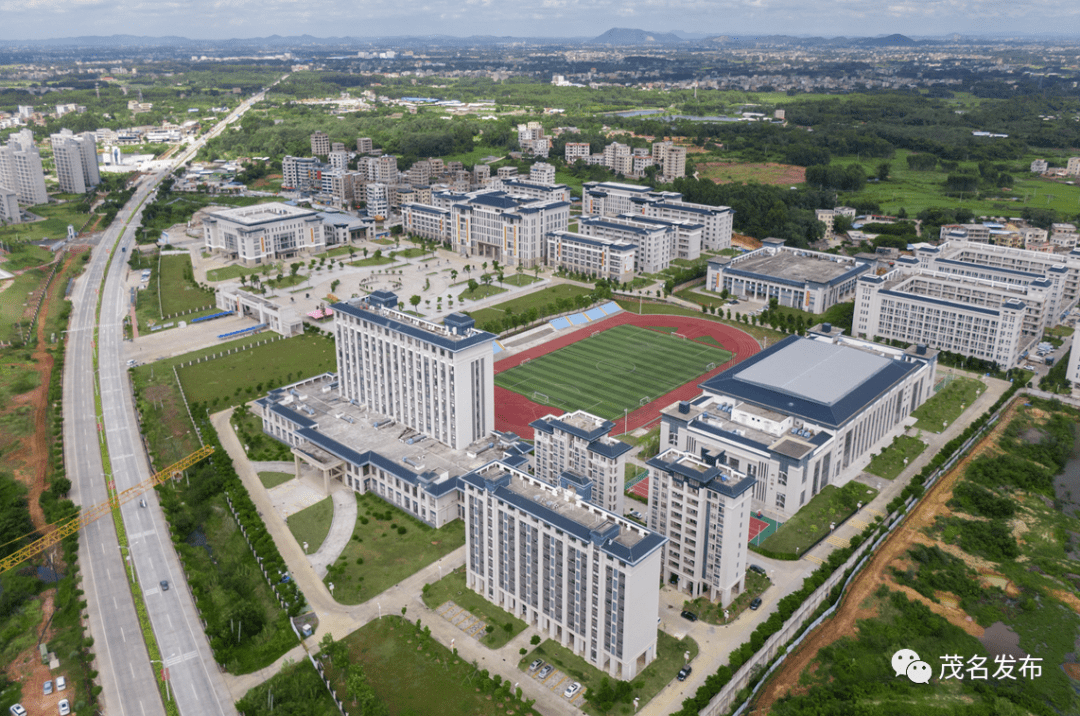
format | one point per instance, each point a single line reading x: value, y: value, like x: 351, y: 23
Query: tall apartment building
x: 340, y: 187
x: 494, y: 225
x: 339, y: 160
x: 9, y: 206
x: 542, y: 173
x: 613, y: 199
x: 420, y: 173
x: 671, y: 158
x: 619, y: 158
x: 702, y: 506
x: 263, y: 233
x: 377, y: 197
x: 1063, y: 237
x: 301, y: 173
x: 320, y: 143
x: 20, y: 169
x: 581, y: 575
x: 576, y: 451
x: 576, y: 150
x: 337, y: 147
x: 481, y: 173
x: 655, y: 244
x: 386, y: 171
x: 435, y: 379
x: 76, y: 159
x: 363, y: 144
x: 1039, y: 166
x: 612, y: 259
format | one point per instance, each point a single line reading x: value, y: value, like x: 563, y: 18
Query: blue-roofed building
x: 655, y: 243
x: 580, y: 443
x: 613, y: 199
x: 803, y: 413
x: 435, y: 378
x: 808, y: 280
x: 703, y: 507
x: 579, y: 574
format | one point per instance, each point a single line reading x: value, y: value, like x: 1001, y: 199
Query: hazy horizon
x: 246, y: 19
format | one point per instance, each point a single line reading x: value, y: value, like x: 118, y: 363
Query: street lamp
x: 164, y: 677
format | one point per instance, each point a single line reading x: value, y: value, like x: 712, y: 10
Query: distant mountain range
x: 628, y: 37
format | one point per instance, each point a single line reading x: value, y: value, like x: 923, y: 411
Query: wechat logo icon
x: 906, y: 662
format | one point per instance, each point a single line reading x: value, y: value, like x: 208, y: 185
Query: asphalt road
x: 126, y: 674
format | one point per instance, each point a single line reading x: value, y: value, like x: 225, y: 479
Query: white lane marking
x: 122, y: 635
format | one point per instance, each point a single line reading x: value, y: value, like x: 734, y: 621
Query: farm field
x: 767, y: 173
x: 611, y: 371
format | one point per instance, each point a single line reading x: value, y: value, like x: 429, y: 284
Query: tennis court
x: 612, y: 370
x: 761, y: 527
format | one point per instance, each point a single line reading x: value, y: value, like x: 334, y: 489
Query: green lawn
x: 520, y: 279
x: 372, y: 261
x: 539, y: 299
x: 242, y: 376
x: 179, y: 292
x: 287, y: 280
x: 227, y: 272
x: 811, y: 522
x: 312, y: 524
x: 57, y: 218
x: 947, y: 404
x: 387, y: 556
x: 296, y: 689
x: 24, y: 256
x: 670, y: 653
x: 13, y: 298
x: 891, y: 461
x: 339, y: 251
x: 482, y: 291
x: 411, y: 253
x: 452, y: 588
x: 612, y: 370
x: 273, y: 479
x: 417, y: 676
x: 1060, y: 331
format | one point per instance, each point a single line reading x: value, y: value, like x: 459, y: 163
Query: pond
x: 1067, y: 484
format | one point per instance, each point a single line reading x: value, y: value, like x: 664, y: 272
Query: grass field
x: 452, y: 588
x: 520, y: 279
x: 378, y: 556
x: 312, y: 524
x: 812, y: 521
x: 947, y: 404
x: 417, y: 676
x: 273, y: 479
x: 613, y: 370
x: 24, y: 256
x: 893, y: 459
x: 13, y: 300
x: 523, y: 303
x: 57, y: 218
x: 179, y: 292
x: 245, y: 375
x: 481, y: 291
x: 768, y: 173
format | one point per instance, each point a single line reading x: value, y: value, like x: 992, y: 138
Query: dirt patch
x: 767, y: 173
x: 1067, y: 598
x: 744, y: 241
x: 156, y: 393
x: 27, y: 668
x: 876, y: 572
x: 1073, y: 670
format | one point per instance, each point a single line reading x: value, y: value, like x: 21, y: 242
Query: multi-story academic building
x: 583, y: 576
x: 802, y: 414
x: 612, y: 199
x: 577, y: 450
x: 703, y: 507
x: 435, y: 379
x: 263, y: 233
x: 603, y: 258
x: 496, y: 225
x: 655, y: 243
x: 426, y: 221
x: 808, y: 280
x: 76, y: 160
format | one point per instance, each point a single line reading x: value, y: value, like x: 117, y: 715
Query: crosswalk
x: 837, y: 541
x: 859, y: 524
x: 812, y: 558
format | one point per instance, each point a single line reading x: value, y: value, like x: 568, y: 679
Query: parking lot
x: 557, y: 682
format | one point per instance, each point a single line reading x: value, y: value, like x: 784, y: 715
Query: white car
x: 65, y: 707
x: 572, y: 690
x: 61, y: 683
x: 17, y: 710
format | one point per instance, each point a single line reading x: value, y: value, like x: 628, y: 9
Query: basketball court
x: 761, y: 527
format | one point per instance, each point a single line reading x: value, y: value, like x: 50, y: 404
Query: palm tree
x: 453, y: 275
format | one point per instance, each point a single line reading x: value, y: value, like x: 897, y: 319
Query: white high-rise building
x: 435, y: 379
x: 377, y: 197
x: 581, y: 575
x: 703, y: 507
x: 9, y: 206
x: 576, y: 450
x: 542, y: 173
x: 614, y: 199
x: 76, y: 159
x: 20, y: 169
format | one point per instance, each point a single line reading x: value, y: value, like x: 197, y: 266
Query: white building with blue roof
x: 703, y: 507
x: 577, y: 450
x: 436, y: 379
x: 803, y: 413
x: 581, y: 575
x: 615, y: 199
x: 612, y: 259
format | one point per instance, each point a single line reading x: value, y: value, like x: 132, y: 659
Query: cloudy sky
x: 214, y: 19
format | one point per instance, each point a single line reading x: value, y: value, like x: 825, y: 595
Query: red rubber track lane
x: 514, y: 412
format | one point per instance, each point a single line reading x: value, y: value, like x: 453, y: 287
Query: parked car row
x: 545, y: 671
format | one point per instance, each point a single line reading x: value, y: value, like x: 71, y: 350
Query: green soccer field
x: 620, y: 368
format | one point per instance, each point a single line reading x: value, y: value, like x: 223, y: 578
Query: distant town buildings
x: 1039, y: 166
x: 76, y: 160
x: 576, y: 150
x: 670, y: 158
x: 1072, y: 168
x: 542, y: 173
x: 364, y: 145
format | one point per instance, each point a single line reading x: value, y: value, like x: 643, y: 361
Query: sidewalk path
x: 341, y: 530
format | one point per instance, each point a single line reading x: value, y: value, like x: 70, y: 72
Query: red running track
x: 514, y: 411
